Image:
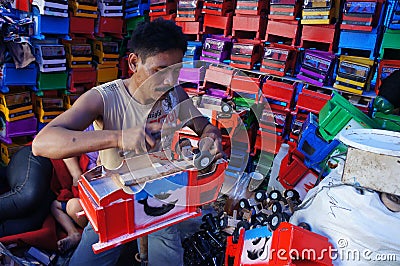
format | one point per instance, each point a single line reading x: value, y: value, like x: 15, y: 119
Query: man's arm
x: 63, y: 137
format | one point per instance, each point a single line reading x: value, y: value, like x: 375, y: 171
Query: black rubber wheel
x: 276, y: 207
x: 259, y: 195
x: 275, y: 220
x: 244, y: 204
x: 291, y: 194
x: 275, y: 195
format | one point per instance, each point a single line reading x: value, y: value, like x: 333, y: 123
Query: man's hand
x: 139, y: 140
x: 211, y: 140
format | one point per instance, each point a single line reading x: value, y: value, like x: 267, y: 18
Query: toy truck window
x: 18, y: 99
x: 88, y: 2
x: 242, y: 49
x: 386, y: 71
x: 276, y: 54
x: 317, y: 63
x: 213, y: 45
x: 158, y: 2
x: 360, y: 7
x: 52, y: 52
x: 110, y: 47
x: 52, y: 104
x: 354, y: 70
x: 187, y: 4
x: 81, y: 50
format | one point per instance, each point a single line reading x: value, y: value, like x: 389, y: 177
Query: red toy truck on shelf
x: 121, y: 203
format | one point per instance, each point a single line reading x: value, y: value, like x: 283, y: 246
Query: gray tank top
x: 122, y: 111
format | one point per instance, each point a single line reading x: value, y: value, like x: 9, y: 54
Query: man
x: 127, y: 114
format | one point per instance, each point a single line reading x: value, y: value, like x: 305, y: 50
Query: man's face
x: 157, y: 75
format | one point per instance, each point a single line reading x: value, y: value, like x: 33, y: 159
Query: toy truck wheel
x: 276, y: 207
x: 275, y: 195
x: 236, y: 232
x: 203, y: 159
x: 223, y: 220
x: 259, y: 195
x: 291, y: 194
x: 244, y: 204
x: 275, y: 220
x: 226, y: 108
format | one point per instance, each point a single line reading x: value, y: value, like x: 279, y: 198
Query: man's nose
x: 170, y: 78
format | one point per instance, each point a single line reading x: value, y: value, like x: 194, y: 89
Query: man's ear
x: 132, y: 61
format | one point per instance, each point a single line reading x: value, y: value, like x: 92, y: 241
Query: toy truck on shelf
x: 57, y: 8
x: 145, y: 194
x: 51, y: 57
x: 279, y: 59
x: 110, y: 8
x: 11, y: 76
x: 354, y: 74
x: 79, y: 55
x: 16, y: 106
x: 216, y: 49
x: 7, y: 150
x: 16, y: 115
x: 317, y: 67
x: 83, y: 8
x: 47, y: 108
x: 246, y: 54
x: 106, y: 53
x: 136, y: 8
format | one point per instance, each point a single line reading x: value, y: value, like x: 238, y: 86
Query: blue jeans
x: 26, y: 204
x: 164, y: 246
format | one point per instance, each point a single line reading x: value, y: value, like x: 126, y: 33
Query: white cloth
x: 360, y: 227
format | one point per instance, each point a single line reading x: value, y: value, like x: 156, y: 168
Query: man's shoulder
x: 109, y: 86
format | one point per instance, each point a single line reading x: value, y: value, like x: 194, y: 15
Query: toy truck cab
x: 57, y: 8
x: 216, y: 49
x: 106, y: 52
x: 83, y: 8
x: 136, y: 8
x: 15, y: 106
x: 47, y: 108
x: 79, y: 55
x: 246, y: 54
x: 110, y: 8
x: 16, y: 116
x: 317, y: 67
x: 51, y: 57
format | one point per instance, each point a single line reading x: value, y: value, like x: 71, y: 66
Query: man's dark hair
x: 160, y: 35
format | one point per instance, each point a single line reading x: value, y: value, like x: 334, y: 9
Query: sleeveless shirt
x: 122, y: 111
